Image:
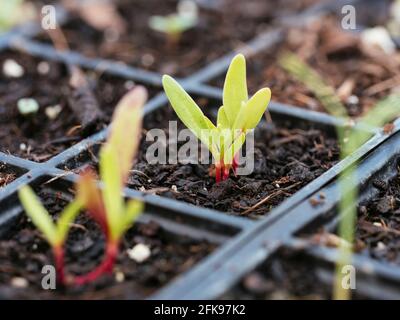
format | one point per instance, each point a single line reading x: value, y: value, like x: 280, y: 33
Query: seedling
x: 174, y: 25
x: 385, y: 110
x: 107, y: 207
x: 235, y: 119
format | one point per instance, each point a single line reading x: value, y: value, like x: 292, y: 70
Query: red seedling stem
x: 58, y: 253
x: 222, y: 170
x: 105, y: 267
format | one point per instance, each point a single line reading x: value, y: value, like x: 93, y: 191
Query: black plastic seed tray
x: 263, y: 240
x: 243, y: 244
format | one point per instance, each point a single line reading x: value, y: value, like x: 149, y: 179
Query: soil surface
x: 288, y: 276
x: 286, y: 158
x: 360, y: 75
x: 41, y: 135
x: 378, y: 225
x: 223, y: 26
x: 7, y: 175
x: 24, y: 252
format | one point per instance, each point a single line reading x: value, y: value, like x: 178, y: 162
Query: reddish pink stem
x: 105, y: 267
x: 218, y: 173
x: 225, y: 173
x: 58, y: 253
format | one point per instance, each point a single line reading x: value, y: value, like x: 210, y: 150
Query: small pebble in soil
x: 129, y: 85
x: 139, y: 253
x: 12, y: 69
x: 22, y: 147
x: 119, y: 276
x: 19, y: 282
x: 354, y: 100
x: 53, y: 111
x: 43, y: 68
x: 380, y: 246
x: 147, y: 60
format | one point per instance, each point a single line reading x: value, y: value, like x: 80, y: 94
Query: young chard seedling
x: 236, y: 117
x: 107, y: 207
x: 174, y: 25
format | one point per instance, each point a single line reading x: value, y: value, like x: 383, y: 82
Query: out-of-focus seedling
x: 13, y: 12
x: 174, y: 25
x: 349, y: 141
x: 54, y: 233
x: 106, y: 206
x: 236, y: 117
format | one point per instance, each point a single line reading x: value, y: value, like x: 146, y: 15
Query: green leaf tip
x: 235, y: 87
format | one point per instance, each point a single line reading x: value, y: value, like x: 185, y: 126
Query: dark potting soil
x: 23, y: 253
x: 378, y: 225
x: 286, y: 158
x: 360, y: 75
x: 38, y: 137
x: 7, y: 175
x: 223, y: 26
x: 287, y: 276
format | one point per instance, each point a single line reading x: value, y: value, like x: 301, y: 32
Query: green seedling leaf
x: 303, y: 73
x: 38, y: 214
x: 117, y: 155
x: 110, y: 175
x: 222, y: 119
x: 126, y: 128
x: 256, y: 107
x: 173, y: 24
x: 67, y: 217
x: 55, y: 233
x: 177, y: 23
x: 235, y: 88
x: 133, y: 210
x: 186, y: 109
